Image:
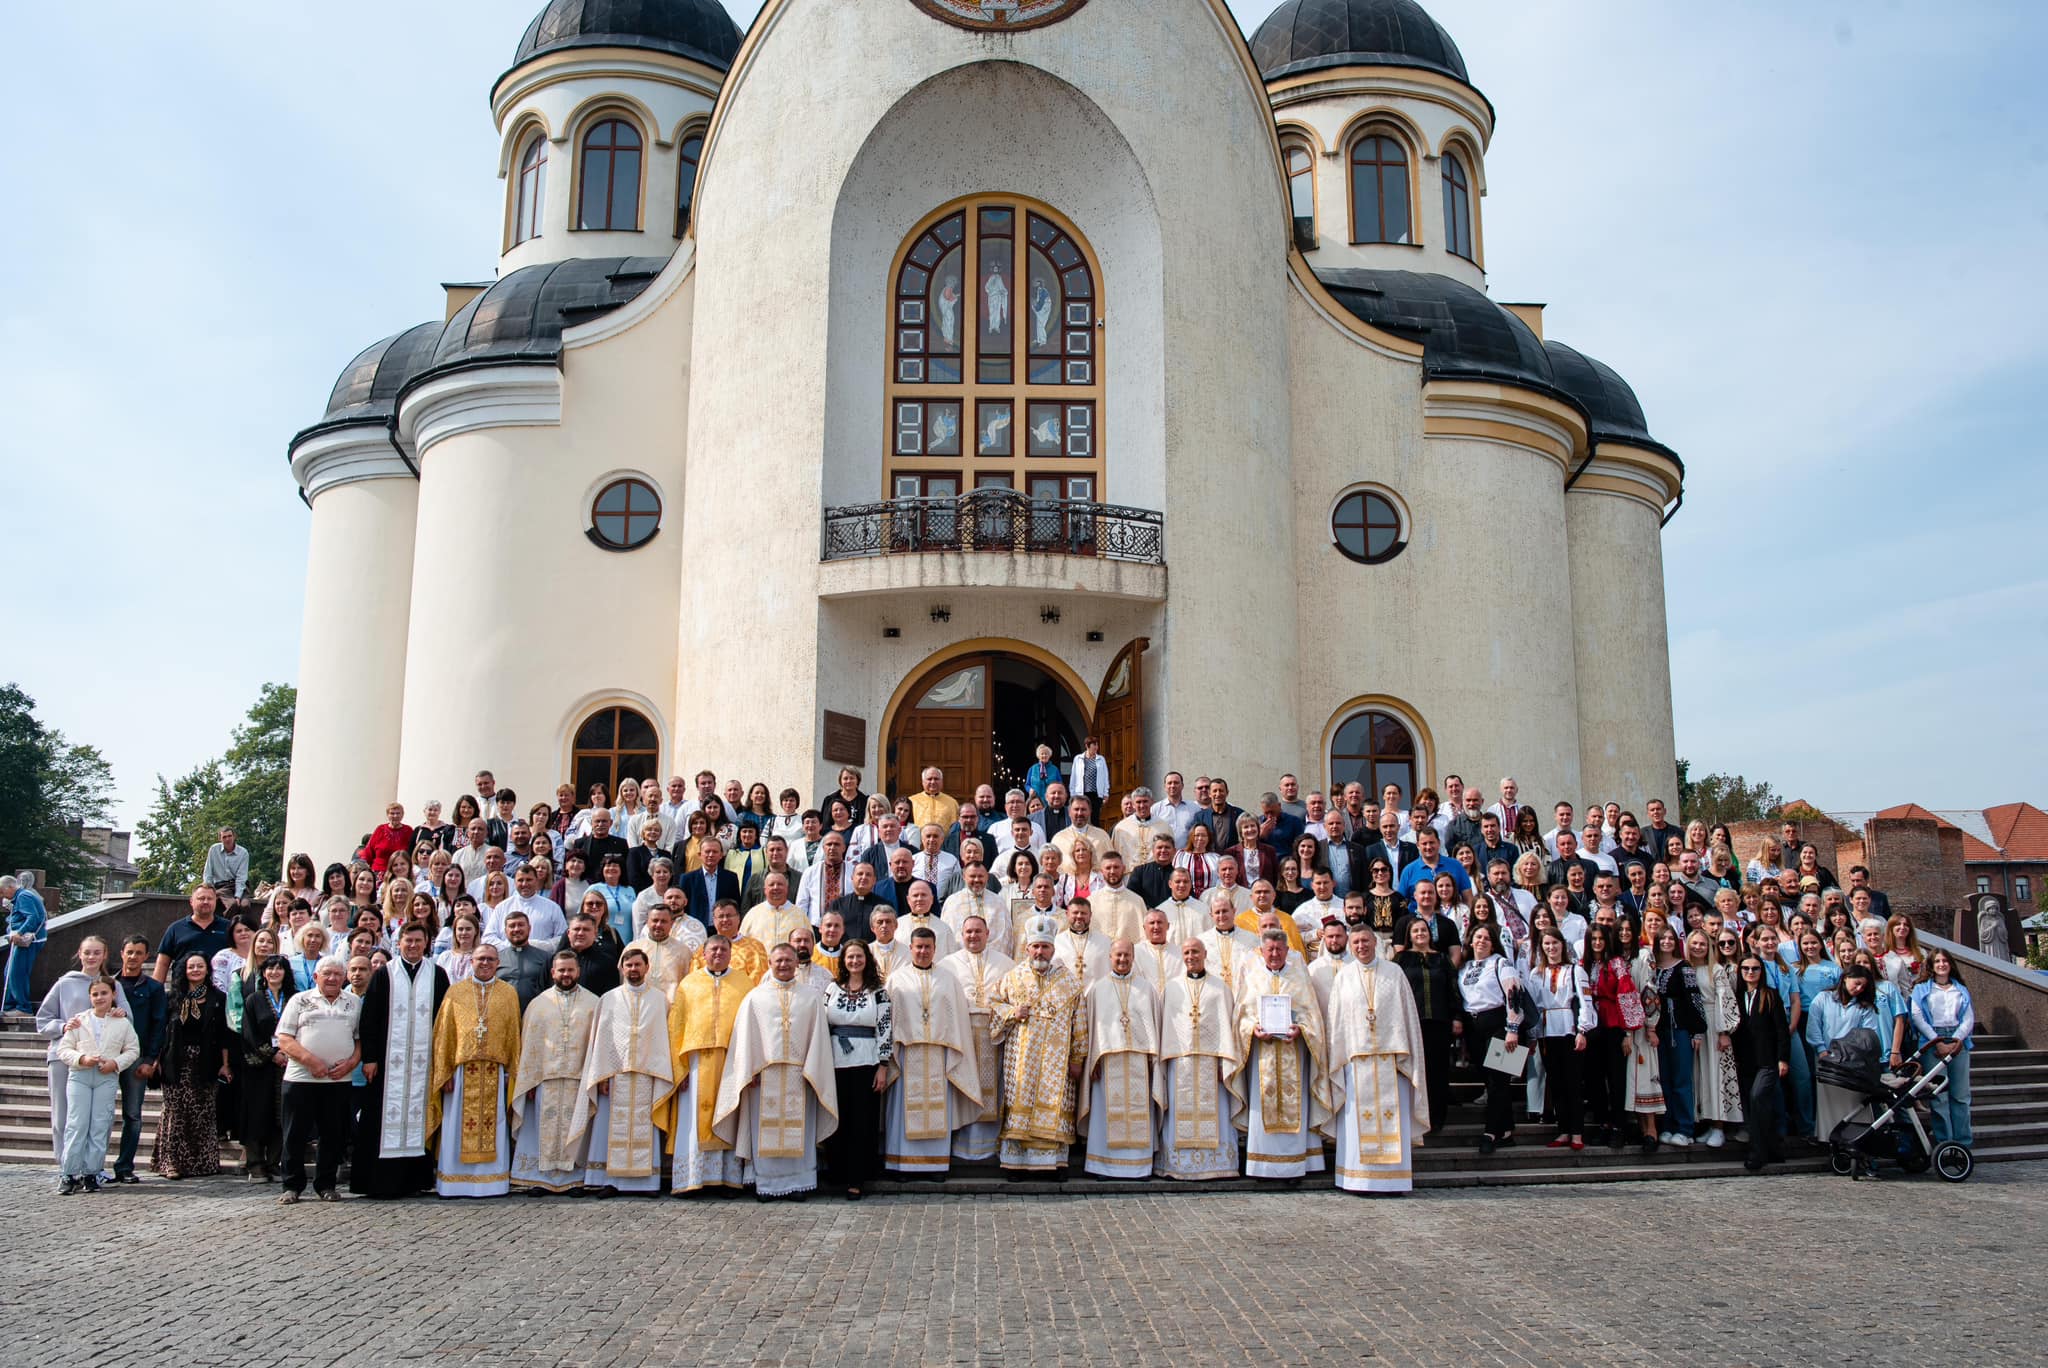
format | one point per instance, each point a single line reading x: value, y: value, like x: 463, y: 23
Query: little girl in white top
x: 97, y: 1049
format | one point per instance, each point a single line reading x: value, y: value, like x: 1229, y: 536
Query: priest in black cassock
x: 390, y: 1157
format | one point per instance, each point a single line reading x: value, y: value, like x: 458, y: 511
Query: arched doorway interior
x: 611, y: 746
x: 980, y: 718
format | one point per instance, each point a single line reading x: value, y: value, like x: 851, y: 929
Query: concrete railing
x: 113, y: 920
x: 2010, y: 999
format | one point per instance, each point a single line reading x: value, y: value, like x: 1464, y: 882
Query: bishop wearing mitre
x: 938, y: 1070
x: 1377, y: 1086
x: 476, y: 1053
x: 1286, y: 1085
x: 1196, y: 1086
x: 1116, y: 1082
x: 551, y: 1112
x: 979, y: 967
x: 1036, y: 1016
x: 700, y: 1024
x: 779, y: 1097
x: 628, y: 1079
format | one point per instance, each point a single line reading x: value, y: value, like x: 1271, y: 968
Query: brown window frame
x: 611, y: 151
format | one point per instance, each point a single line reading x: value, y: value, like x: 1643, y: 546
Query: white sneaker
x: 1665, y: 1137
x: 1715, y: 1139
x: 1681, y: 1140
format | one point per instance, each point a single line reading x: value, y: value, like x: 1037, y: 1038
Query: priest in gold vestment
x: 700, y: 1023
x: 938, y: 1070
x: 779, y: 1097
x: 1196, y: 1085
x: 668, y: 955
x: 772, y: 919
x: 1116, y: 1082
x: 476, y: 1056
x: 1036, y: 1018
x: 749, y: 956
x: 551, y: 1112
x: 1377, y: 1085
x: 628, y: 1080
x: 980, y: 967
x: 1286, y: 1080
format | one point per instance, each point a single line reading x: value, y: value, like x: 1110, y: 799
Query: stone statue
x: 1991, y: 935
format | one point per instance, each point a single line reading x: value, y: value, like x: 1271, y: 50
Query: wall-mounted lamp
x: 1048, y: 615
x: 941, y: 613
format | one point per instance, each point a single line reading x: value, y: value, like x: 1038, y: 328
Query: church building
x: 906, y: 382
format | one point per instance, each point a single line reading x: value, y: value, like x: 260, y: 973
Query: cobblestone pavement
x: 1709, y: 1271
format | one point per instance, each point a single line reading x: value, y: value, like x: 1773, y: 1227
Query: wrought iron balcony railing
x: 998, y: 520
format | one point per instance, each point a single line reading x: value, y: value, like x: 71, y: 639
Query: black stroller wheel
x: 1953, y: 1162
x: 1913, y: 1159
x: 1842, y: 1161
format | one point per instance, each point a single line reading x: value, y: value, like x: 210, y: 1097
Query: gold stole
x: 1127, y: 1085
x: 978, y: 1017
x: 471, y: 1014
x: 630, y: 1135
x: 1375, y: 1093
x: 1194, y: 1087
x: 924, y: 1077
x: 781, y: 1117
x: 480, y: 1111
x: 1279, y: 1074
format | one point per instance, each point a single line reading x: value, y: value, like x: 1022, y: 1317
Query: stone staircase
x: 2009, y: 1109
x: 25, y: 1103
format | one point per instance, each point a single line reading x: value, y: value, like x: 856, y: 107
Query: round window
x: 1367, y: 527
x: 625, y: 514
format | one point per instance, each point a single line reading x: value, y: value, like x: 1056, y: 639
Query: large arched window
x: 1373, y: 748
x: 1379, y: 190
x: 688, y: 152
x: 613, y: 745
x: 1457, y: 208
x: 995, y: 369
x: 530, y: 194
x: 1301, y: 194
x: 610, y: 196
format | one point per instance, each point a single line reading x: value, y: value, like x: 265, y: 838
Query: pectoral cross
x: 482, y: 1026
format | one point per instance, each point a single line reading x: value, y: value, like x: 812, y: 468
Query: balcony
x: 994, y: 539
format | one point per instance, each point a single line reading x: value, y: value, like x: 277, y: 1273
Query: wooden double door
x: 980, y: 718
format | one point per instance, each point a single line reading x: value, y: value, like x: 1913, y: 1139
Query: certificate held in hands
x: 1276, y: 1014
x: 1501, y: 1059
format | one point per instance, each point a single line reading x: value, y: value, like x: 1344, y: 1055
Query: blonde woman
x: 309, y: 947
x: 396, y: 902
x: 1717, y: 1092
x: 869, y: 830
x: 1769, y: 860
x: 464, y: 937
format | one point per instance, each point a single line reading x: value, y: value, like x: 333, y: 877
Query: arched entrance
x: 612, y: 745
x: 979, y: 717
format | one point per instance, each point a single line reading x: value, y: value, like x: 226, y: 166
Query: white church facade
x: 907, y: 381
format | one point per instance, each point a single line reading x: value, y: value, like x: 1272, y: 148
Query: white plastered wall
x: 768, y: 400
x: 1470, y: 627
x: 521, y: 626
x: 351, y: 682
x: 1624, y: 659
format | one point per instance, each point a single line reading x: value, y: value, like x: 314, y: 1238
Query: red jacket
x: 384, y: 840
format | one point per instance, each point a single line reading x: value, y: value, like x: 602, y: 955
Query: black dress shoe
x: 1486, y: 1144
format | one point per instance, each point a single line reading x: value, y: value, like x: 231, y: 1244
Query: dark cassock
x: 389, y: 1155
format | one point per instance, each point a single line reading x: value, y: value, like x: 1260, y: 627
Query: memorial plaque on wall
x: 846, y: 739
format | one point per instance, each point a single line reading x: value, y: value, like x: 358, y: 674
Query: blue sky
x: 1808, y: 234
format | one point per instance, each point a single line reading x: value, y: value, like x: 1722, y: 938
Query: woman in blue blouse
x: 1801, y: 984
x: 1945, y: 1019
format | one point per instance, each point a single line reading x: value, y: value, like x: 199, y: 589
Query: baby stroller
x: 1892, y: 1133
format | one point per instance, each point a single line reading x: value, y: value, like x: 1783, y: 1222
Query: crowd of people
x: 687, y: 989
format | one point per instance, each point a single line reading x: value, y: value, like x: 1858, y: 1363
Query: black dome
x: 1612, y: 407
x: 1464, y: 335
x: 697, y: 29
x: 367, y: 391
x: 1308, y: 35
x: 521, y: 318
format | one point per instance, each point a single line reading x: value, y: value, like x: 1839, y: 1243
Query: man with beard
x: 388, y: 1157
x: 551, y: 1112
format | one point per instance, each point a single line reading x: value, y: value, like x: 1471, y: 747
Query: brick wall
x: 1920, y: 870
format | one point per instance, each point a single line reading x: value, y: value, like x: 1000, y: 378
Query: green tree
x: 1718, y: 797
x: 46, y: 784
x: 244, y: 789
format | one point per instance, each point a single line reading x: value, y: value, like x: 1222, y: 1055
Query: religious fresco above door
x: 1000, y: 15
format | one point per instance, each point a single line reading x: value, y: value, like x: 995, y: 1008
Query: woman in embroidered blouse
x: 1197, y: 860
x: 464, y: 935
x: 192, y: 1067
x: 857, y: 1014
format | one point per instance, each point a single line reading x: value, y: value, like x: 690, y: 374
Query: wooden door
x: 1120, y: 726
x: 946, y: 722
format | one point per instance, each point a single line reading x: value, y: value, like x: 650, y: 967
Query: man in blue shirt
x: 1428, y: 863
x: 150, y: 1012
x: 27, y: 929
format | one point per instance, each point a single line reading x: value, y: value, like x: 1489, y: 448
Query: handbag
x: 1632, y: 1015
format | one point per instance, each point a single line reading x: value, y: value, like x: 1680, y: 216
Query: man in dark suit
x: 1467, y: 825
x: 1492, y: 844
x: 888, y: 840
x: 598, y: 844
x: 1054, y: 818
x: 1567, y: 856
x: 1343, y: 857
x: 894, y: 889
x: 1859, y: 878
x: 1398, y: 854
x: 1220, y: 817
x: 1763, y: 1057
x: 1152, y: 881
x: 707, y: 886
x: 855, y: 907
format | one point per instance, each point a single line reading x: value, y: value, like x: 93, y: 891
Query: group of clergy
x: 1237, y: 1050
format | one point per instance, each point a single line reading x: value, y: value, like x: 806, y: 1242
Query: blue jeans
x: 132, y: 1089
x: 1674, y: 1057
x: 1799, y: 1088
x: 20, y: 959
x: 88, y: 1116
x: 1951, y: 1111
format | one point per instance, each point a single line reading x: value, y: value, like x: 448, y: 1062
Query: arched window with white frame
x: 530, y: 189
x: 1457, y: 207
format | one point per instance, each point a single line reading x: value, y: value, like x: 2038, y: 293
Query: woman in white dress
x: 1717, y: 1093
